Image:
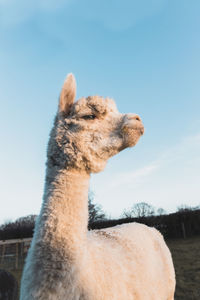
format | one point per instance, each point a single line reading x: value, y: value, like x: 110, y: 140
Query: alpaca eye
x: 88, y: 117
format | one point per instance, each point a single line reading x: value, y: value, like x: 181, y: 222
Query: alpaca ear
x: 68, y: 94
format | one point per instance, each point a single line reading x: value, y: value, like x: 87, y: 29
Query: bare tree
x: 184, y: 207
x: 139, y: 210
x: 161, y: 211
x: 127, y: 213
x: 96, y: 212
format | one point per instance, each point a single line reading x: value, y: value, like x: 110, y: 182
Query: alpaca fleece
x: 65, y: 260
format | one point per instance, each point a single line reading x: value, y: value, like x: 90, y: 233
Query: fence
x: 13, y: 253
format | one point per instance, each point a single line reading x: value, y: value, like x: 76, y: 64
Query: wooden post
x: 183, y: 230
x: 3, y: 252
x: 21, y: 248
x: 16, y: 257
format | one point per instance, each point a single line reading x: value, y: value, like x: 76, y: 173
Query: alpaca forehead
x: 96, y: 103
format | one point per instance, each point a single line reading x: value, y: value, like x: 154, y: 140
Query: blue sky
x: 144, y: 54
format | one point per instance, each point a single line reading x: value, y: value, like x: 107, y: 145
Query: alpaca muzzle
x: 132, y: 122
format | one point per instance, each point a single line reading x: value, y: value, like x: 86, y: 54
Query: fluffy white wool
x: 65, y: 261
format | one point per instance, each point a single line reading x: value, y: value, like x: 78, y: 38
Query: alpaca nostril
x: 131, y: 117
x: 135, y: 117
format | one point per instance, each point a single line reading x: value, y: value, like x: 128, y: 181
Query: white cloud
x: 134, y: 178
x: 194, y: 139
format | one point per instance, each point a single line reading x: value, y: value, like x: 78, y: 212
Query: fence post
x: 3, y: 252
x: 183, y: 230
x: 16, y: 259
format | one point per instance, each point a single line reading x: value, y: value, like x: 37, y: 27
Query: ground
x: 186, y: 257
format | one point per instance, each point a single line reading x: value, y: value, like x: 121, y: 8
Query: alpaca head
x: 89, y: 131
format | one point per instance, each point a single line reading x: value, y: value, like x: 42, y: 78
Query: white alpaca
x: 65, y: 261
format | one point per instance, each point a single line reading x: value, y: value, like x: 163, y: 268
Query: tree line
x: 24, y: 226
x: 183, y: 223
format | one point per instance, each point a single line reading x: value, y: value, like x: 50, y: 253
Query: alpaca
x: 65, y: 260
x: 8, y: 286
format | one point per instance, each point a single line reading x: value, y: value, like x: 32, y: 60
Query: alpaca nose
x: 134, y: 121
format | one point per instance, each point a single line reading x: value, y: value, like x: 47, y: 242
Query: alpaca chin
x: 132, y: 136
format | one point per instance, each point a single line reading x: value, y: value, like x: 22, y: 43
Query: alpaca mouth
x: 128, y: 128
x: 141, y: 130
x: 138, y: 131
x: 131, y: 134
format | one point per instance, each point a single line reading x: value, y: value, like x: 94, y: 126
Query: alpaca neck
x: 64, y: 214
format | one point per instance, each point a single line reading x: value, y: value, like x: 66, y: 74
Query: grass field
x: 186, y: 257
